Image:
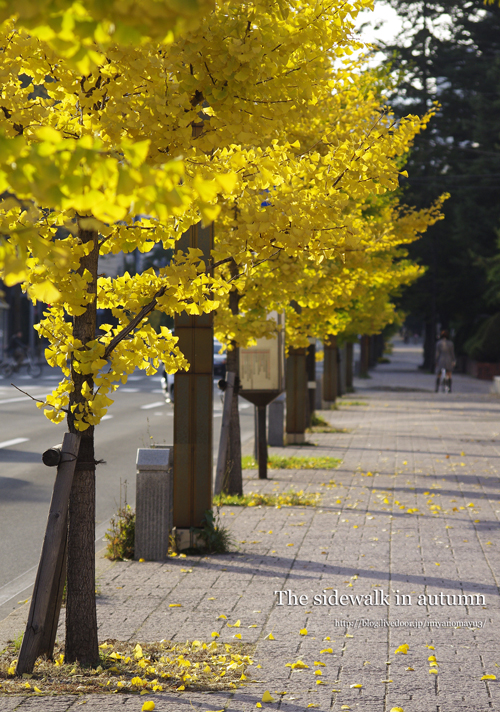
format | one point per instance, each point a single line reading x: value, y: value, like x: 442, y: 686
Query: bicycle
x: 12, y: 365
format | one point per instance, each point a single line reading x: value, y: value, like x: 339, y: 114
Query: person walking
x: 445, y: 360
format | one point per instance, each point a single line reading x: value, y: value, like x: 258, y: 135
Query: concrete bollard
x: 276, y: 426
x: 154, y: 502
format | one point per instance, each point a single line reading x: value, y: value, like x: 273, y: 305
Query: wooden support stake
x: 45, y: 606
x: 224, y: 434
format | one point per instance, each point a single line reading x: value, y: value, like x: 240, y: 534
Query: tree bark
x: 234, y: 480
x: 81, y: 617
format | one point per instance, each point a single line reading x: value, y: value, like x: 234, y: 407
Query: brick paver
x: 412, y: 510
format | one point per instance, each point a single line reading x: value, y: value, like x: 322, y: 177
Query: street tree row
x: 120, y: 130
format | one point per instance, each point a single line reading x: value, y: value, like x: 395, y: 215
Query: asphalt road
x: 138, y: 417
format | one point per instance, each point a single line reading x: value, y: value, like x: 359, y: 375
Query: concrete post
x: 154, y: 503
x: 276, y: 427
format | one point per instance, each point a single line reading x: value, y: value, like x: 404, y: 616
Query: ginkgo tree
x: 336, y: 191
x: 172, y: 128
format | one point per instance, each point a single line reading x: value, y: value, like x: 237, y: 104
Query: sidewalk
x: 413, y: 509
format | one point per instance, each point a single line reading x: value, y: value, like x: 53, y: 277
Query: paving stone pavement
x: 407, y: 523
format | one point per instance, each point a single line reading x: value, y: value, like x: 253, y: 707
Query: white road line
x: 18, y: 399
x: 14, y: 400
x: 19, y: 584
x: 14, y: 441
x: 129, y: 390
x: 106, y: 417
x: 156, y: 404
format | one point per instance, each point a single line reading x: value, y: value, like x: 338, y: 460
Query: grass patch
x: 290, y: 498
x: 353, y: 403
x: 318, y: 420
x: 217, y: 539
x: 284, y: 462
x: 329, y: 429
x: 121, y: 535
x: 133, y: 668
x: 320, y: 425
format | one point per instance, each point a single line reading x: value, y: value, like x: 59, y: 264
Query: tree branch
x: 37, y: 400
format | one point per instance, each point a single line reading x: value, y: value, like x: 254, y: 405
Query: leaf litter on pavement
x: 141, y: 668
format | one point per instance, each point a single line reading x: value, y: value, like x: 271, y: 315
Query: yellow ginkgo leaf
x: 222, y: 616
x: 237, y: 624
x: 148, y: 706
x: 175, y: 605
x: 397, y: 709
x: 312, y: 704
x: 270, y: 637
x: 258, y: 704
x: 433, y: 672
x: 326, y: 650
x: 215, y: 634
x: 357, y: 685
x: 237, y: 635
x: 37, y: 689
x: 303, y: 631
x: 266, y: 697
x: 179, y: 689
x: 299, y: 665
x: 402, y: 649
x: 489, y: 677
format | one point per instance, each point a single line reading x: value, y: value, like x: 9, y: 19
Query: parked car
x: 220, y: 360
x: 167, y: 380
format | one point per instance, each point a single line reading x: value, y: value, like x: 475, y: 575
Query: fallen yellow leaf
x: 175, y: 605
x: 266, y: 697
x: 299, y: 665
x: 148, y: 706
x: 303, y: 631
x: 356, y: 685
x: 489, y: 677
x: 402, y: 649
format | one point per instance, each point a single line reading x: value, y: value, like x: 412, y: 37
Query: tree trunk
x: 234, y: 479
x: 311, y: 378
x: 81, y: 618
x: 365, y: 356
